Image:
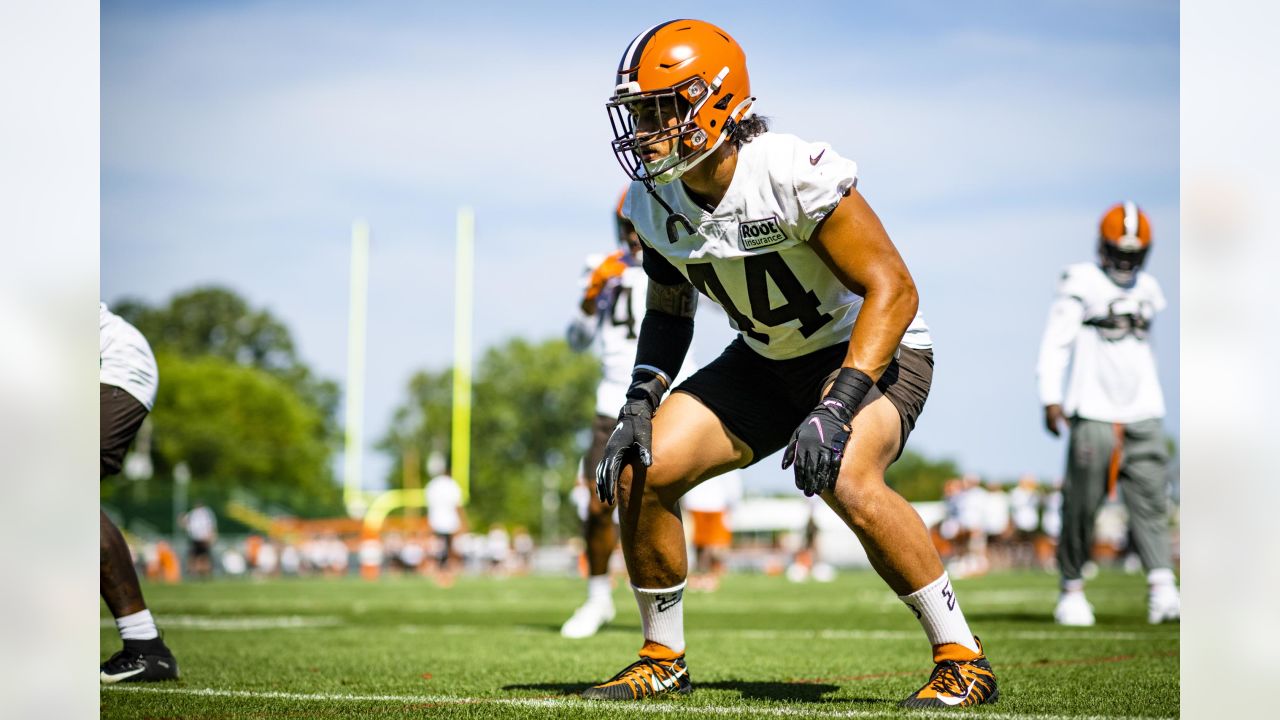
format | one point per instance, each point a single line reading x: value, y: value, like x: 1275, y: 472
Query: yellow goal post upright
x: 460, y: 464
x: 460, y: 467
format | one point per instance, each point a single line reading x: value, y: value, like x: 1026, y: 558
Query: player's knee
x: 863, y: 499
x: 654, y: 484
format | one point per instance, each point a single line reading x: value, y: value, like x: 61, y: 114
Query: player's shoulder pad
x: 1077, y: 278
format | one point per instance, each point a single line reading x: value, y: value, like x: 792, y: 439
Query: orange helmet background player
x: 615, y: 263
x: 1124, y: 237
x: 689, y: 78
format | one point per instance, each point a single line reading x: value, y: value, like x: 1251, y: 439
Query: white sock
x: 1161, y: 578
x: 600, y: 590
x: 662, y: 615
x: 939, y: 612
x: 1072, y: 586
x: 138, y: 626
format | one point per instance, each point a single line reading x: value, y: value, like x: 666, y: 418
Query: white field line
x: 569, y: 704
x: 245, y: 622
x: 828, y: 634
x: 293, y: 622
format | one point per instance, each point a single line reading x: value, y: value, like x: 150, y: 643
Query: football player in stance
x: 127, y: 389
x: 832, y: 361
x: 612, y: 309
x: 1100, y: 324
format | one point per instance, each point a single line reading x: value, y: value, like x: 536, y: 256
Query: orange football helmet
x: 1124, y: 237
x: 688, y: 71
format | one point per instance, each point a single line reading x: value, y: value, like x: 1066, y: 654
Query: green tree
x: 214, y: 321
x: 918, y: 478
x: 236, y: 403
x: 533, y: 404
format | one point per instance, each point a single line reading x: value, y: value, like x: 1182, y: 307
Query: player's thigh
x: 119, y: 417
x: 874, y: 442
x: 690, y: 444
x: 1088, y: 460
x: 1143, y: 471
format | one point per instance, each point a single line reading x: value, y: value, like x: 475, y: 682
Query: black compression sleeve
x: 664, y: 340
x: 659, y: 269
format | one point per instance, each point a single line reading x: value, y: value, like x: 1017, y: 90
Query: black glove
x: 633, y: 432
x: 817, y: 446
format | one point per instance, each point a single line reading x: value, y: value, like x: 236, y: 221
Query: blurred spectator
x: 446, y: 517
x: 202, y: 531
x: 1024, y: 505
x: 522, y: 543
x: 971, y: 502
x: 497, y: 550
x: 995, y: 523
x: 807, y: 561
x: 290, y: 560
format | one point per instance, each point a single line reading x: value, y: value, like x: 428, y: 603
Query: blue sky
x: 240, y: 140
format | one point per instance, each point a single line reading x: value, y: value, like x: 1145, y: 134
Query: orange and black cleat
x: 959, y: 679
x: 646, y: 677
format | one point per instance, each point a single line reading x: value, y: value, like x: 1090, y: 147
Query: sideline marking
x: 558, y: 703
x: 245, y: 622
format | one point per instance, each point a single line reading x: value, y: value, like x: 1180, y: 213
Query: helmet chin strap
x: 673, y: 218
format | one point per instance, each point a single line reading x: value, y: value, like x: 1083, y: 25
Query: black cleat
x: 644, y: 678
x: 140, y: 661
x: 957, y: 683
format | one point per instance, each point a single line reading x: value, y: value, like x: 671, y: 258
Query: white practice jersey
x: 1101, y: 330
x: 444, y: 497
x: 751, y: 254
x: 124, y: 358
x: 614, y: 329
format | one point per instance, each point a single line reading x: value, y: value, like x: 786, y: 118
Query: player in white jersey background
x: 610, y: 313
x: 832, y: 360
x: 128, y: 378
x: 1099, y: 325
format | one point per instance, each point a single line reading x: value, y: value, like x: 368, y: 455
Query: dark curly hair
x: 750, y: 127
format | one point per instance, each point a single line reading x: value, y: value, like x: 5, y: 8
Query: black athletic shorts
x: 119, y: 417
x: 201, y: 548
x: 763, y: 401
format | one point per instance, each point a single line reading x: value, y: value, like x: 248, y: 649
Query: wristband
x: 851, y: 387
x: 647, y: 385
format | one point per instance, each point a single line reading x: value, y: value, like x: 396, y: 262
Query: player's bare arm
x: 853, y: 243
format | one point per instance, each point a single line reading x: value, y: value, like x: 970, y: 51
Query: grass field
x: 760, y: 647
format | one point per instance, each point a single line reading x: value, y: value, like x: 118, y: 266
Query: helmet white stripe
x: 1130, y: 218
x: 628, y: 57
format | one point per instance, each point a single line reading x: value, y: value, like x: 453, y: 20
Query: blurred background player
x: 1099, y: 324
x: 709, y: 507
x: 202, y: 531
x: 611, y: 311
x: 128, y: 378
x: 446, y: 518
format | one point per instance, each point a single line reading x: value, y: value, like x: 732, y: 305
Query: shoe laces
x: 122, y: 659
x: 642, y: 671
x: 948, y: 679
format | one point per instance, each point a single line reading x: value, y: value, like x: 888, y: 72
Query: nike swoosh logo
x: 813, y: 159
x: 668, y: 682
x: 821, y: 435
x: 957, y: 699
x: 121, y: 676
